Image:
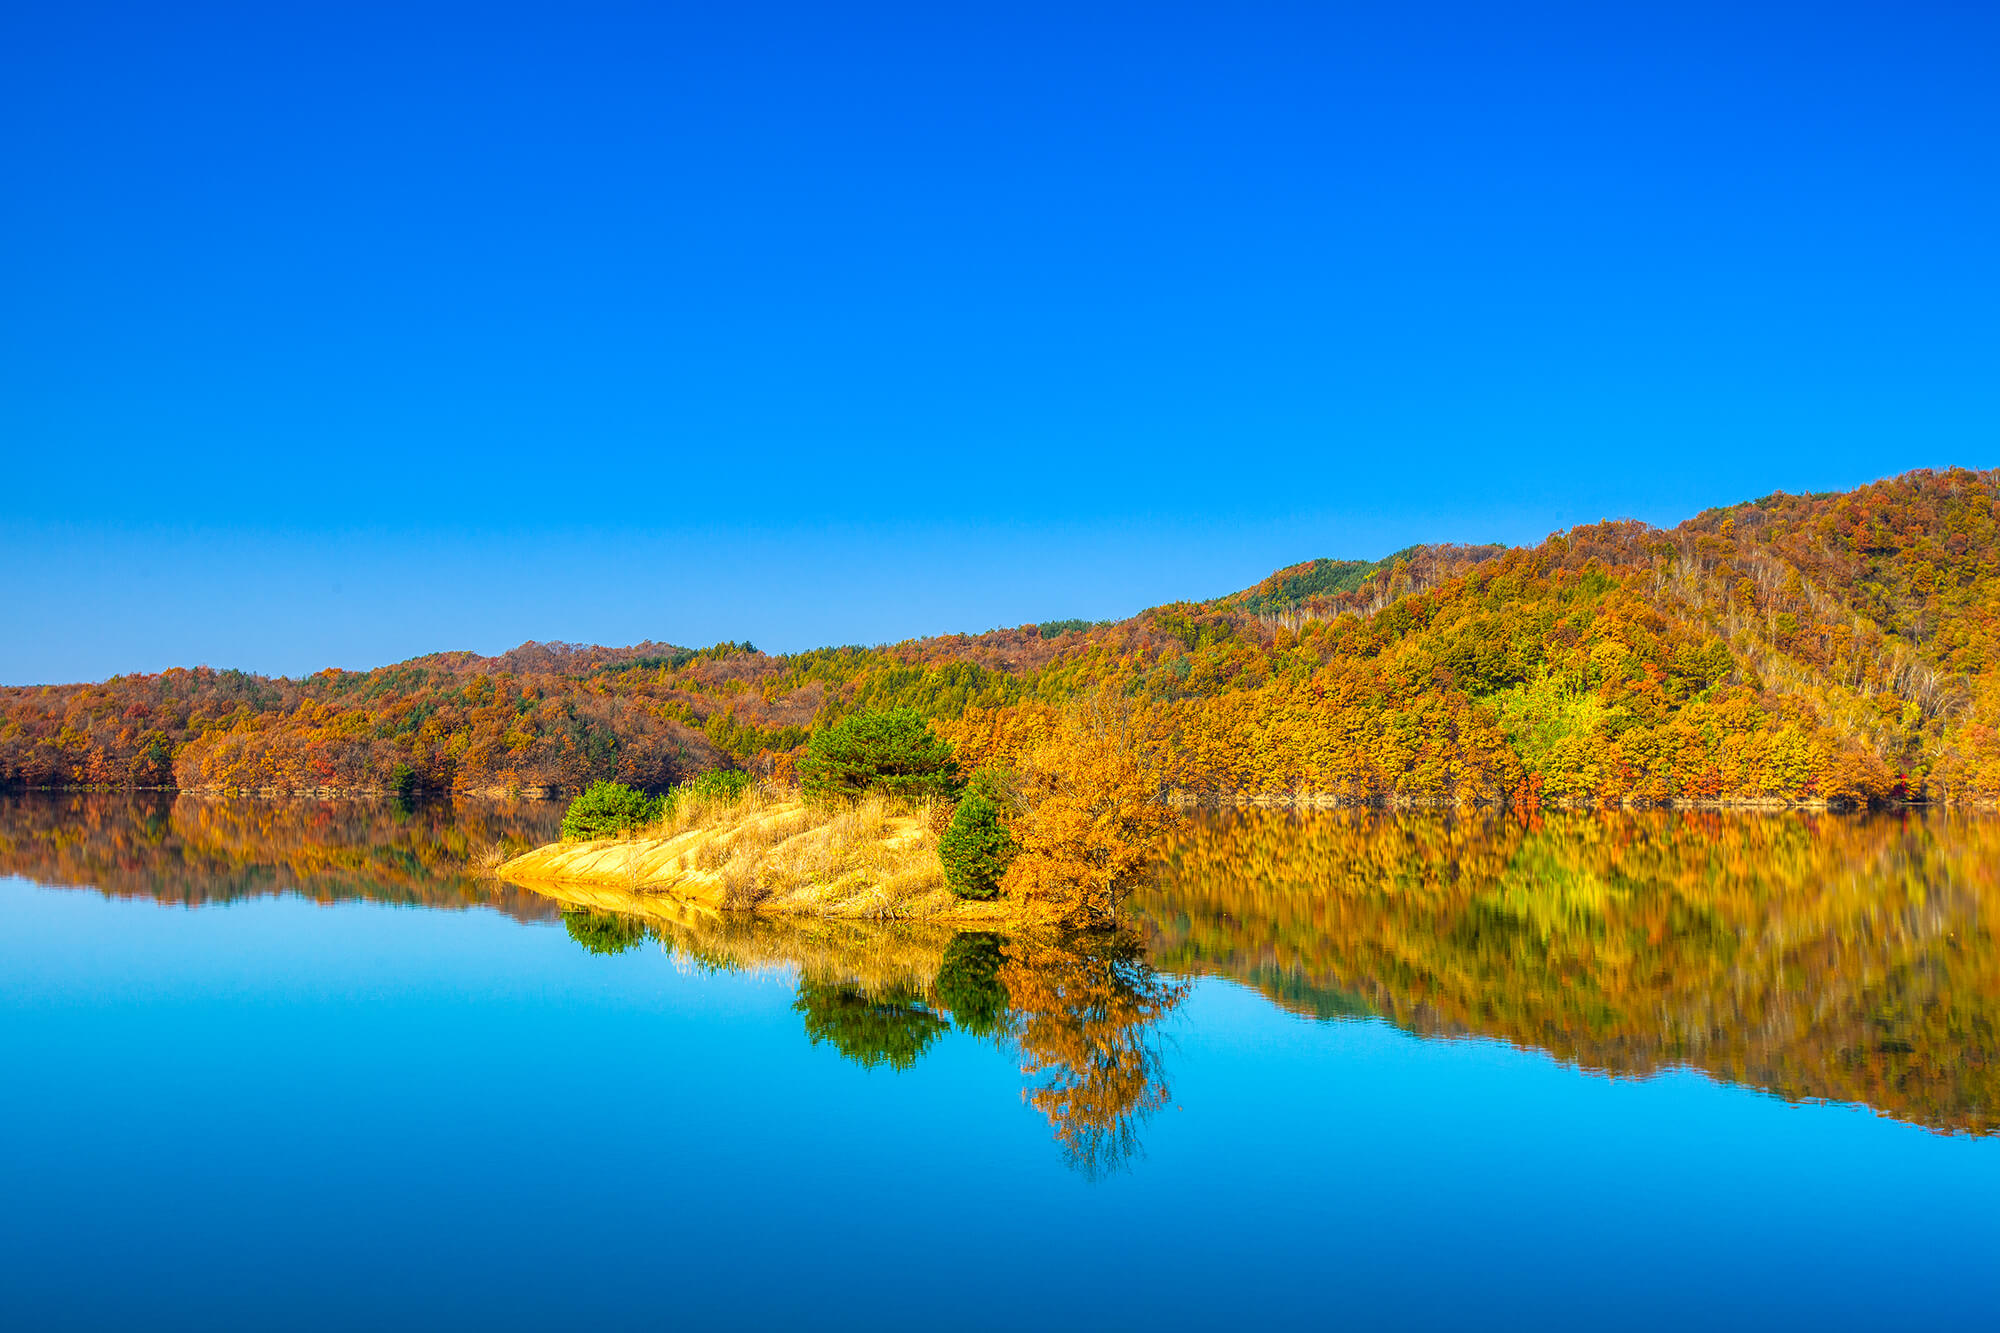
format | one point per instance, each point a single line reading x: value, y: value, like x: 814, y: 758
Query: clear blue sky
x: 332, y: 334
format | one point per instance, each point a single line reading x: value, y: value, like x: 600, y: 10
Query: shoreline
x: 1747, y: 804
x: 1179, y: 799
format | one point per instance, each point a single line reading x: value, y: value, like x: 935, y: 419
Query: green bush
x: 607, y: 809
x: 996, y: 785
x: 895, y: 752
x: 975, y: 849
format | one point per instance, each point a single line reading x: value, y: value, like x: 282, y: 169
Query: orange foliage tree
x: 1091, y: 782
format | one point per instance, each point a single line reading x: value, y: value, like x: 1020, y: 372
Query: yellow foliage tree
x: 1091, y: 788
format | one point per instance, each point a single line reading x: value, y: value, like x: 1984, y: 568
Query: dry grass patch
x: 875, y: 857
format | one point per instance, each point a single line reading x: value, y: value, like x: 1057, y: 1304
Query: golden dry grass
x: 488, y: 859
x: 769, y: 851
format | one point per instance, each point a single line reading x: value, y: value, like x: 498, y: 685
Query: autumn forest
x: 1802, y: 649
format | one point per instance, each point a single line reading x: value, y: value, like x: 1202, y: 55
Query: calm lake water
x: 290, y: 1065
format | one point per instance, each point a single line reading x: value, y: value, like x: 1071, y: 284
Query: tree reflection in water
x: 1083, y: 1016
x: 1854, y: 959
x: 871, y: 1030
x: 1079, y: 1014
x: 604, y: 932
x: 969, y: 984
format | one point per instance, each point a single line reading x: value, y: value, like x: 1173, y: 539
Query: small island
x: 776, y: 854
x: 882, y: 821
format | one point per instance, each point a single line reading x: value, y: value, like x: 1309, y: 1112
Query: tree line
x: 1821, y: 648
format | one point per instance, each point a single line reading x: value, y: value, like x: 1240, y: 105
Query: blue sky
x: 335, y: 334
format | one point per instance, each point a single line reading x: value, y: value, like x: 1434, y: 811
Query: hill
x: 1837, y: 647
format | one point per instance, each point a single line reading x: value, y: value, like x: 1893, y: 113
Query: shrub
x: 894, y: 752
x: 607, y: 809
x: 997, y: 785
x: 975, y: 849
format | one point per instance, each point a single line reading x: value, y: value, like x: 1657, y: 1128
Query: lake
x: 299, y: 1065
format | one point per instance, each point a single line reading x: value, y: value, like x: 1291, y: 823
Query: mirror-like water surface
x: 1341, y: 1069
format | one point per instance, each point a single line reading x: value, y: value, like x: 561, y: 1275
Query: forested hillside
x: 1799, y: 648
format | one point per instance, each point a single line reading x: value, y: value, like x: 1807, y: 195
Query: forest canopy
x: 1841, y: 647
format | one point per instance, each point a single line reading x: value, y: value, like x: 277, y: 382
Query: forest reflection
x: 1842, y: 958
x: 1846, y: 958
x: 191, y: 850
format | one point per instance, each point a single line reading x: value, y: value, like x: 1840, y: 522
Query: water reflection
x: 1816, y: 957
x: 192, y: 850
x: 1084, y: 1017
x: 890, y: 1029
x: 1080, y: 1014
x: 1077, y: 1014
x: 604, y: 932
